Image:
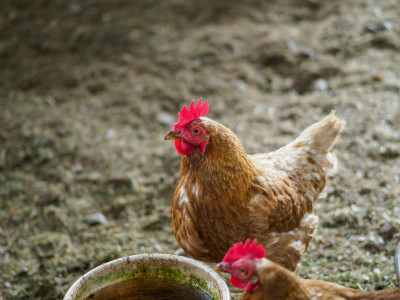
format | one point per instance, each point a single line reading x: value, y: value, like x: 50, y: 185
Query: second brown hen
x: 266, y: 280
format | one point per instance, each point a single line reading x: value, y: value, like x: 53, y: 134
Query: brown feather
x: 225, y: 195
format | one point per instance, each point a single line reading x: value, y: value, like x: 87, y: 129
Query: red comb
x: 193, y: 113
x: 240, y: 250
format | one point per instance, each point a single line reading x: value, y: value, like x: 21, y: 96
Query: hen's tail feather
x: 318, y: 140
x: 321, y: 136
x: 397, y: 264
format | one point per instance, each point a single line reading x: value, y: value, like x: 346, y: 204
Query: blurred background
x: 89, y: 88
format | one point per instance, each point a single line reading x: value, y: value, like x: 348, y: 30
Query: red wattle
x: 237, y: 283
x: 184, y: 148
x: 251, y: 287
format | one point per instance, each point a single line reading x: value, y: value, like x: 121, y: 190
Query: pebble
x: 48, y: 199
x: 377, y: 77
x: 380, y: 26
x: 75, y: 9
x: 127, y: 58
x: 110, y: 133
x: 377, y: 271
x: 96, y: 219
x: 321, y: 85
x: 387, y: 230
x: 22, y: 271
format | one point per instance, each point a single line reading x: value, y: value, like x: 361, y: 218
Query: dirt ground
x: 89, y: 88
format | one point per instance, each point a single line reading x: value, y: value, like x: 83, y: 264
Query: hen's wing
x: 323, y: 290
x: 290, y: 180
x: 307, y: 160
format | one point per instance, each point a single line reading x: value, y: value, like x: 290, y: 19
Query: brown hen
x: 225, y: 195
x: 266, y: 280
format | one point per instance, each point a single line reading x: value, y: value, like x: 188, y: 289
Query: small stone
x: 154, y: 223
x: 96, y: 87
x: 75, y: 9
x: 22, y: 271
x: 78, y: 168
x: 48, y: 199
x: 140, y: 87
x: 321, y: 85
x: 106, y: 18
x: 365, y: 277
x: 96, y: 219
x: 305, y: 81
x: 377, y: 77
x: 120, y: 181
x: 110, y: 133
x: 387, y: 230
x: 127, y: 58
x: 387, y: 25
x: 380, y: 26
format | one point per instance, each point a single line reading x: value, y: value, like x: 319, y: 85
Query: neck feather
x: 224, y: 164
x: 279, y: 282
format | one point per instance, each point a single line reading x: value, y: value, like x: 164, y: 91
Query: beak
x: 221, y: 267
x: 172, y: 135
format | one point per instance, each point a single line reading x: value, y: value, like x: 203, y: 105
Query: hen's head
x: 240, y: 261
x: 188, y: 133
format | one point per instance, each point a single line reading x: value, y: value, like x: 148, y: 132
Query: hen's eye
x: 243, y: 271
x: 196, y: 131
